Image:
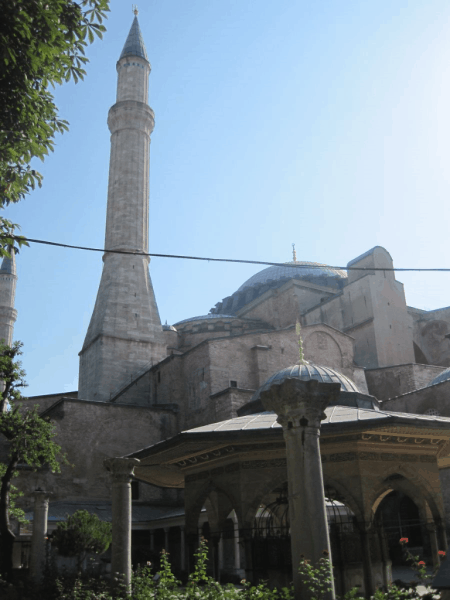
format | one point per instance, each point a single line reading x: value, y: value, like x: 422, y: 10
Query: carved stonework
x: 300, y: 403
x: 377, y: 456
x: 225, y: 452
x: 121, y: 469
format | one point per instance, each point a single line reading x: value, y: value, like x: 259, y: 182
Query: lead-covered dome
x: 444, y: 376
x: 305, y: 372
x: 277, y: 275
x: 309, y: 271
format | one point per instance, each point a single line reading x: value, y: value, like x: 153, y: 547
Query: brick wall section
x: 193, y: 379
x: 431, y: 329
x: 372, y: 309
x: 91, y: 432
x: 433, y: 397
x: 282, y: 307
x: 389, y: 382
x: 44, y: 402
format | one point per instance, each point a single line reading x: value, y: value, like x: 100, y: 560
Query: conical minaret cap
x: 134, y: 46
x: 9, y: 264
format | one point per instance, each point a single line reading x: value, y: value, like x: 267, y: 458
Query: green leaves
x: 82, y: 533
x: 43, y: 44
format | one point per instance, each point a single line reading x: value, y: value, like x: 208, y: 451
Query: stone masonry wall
x: 89, y: 432
x: 388, y: 382
x: 282, y: 307
x: 433, y: 398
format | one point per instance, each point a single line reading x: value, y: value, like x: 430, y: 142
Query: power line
x: 228, y: 260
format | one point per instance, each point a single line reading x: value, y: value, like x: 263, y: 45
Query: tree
x: 29, y: 440
x: 81, y: 534
x: 42, y: 44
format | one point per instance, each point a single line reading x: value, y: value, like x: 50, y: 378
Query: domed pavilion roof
x: 305, y: 372
x: 441, y: 377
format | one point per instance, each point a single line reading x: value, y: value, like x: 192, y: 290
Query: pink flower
x: 404, y: 540
x: 421, y: 563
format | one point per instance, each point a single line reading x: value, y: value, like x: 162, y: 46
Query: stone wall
x: 283, y: 306
x: 196, y: 380
x: 372, y: 309
x: 194, y: 332
x: 433, y: 398
x: 388, y: 382
x: 89, y: 432
x: 432, y: 335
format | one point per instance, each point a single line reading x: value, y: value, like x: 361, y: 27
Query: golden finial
x: 135, y: 10
x: 294, y: 253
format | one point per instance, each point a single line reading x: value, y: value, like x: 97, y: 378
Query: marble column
x: 300, y: 408
x: 237, y: 549
x: 431, y: 528
x: 221, y: 558
x: 38, y: 539
x: 367, y: 561
x: 166, y: 539
x: 121, y: 470
x: 182, y: 549
x: 152, y: 540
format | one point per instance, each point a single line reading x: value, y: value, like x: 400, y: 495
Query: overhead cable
x: 231, y: 260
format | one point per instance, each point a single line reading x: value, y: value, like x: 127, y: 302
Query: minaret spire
x: 8, y: 314
x: 125, y: 333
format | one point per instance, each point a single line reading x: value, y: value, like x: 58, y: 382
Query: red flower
x: 404, y: 540
x: 441, y: 553
x: 421, y: 563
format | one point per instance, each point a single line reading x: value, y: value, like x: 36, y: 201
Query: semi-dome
x: 305, y: 372
x: 441, y: 377
x: 305, y: 270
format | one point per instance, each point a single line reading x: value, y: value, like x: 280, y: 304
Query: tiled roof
x: 334, y: 415
x: 58, y: 511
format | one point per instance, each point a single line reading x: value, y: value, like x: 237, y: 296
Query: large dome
x: 276, y: 276
x: 310, y: 271
x: 306, y: 372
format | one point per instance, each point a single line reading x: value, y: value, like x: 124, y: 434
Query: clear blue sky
x: 321, y: 123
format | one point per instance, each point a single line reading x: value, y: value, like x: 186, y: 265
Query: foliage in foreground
x: 80, y: 534
x: 27, y: 439
x: 200, y: 586
x: 43, y: 45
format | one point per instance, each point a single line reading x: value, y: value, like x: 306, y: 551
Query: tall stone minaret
x: 8, y: 314
x: 125, y: 333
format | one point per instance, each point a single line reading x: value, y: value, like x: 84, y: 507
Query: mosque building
x: 141, y: 383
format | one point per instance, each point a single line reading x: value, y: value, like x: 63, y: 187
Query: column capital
x: 121, y: 469
x: 300, y: 403
x: 41, y: 497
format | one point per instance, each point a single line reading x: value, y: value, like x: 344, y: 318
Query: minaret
x: 8, y: 314
x: 125, y: 333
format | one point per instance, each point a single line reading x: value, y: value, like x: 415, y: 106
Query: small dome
x: 305, y: 372
x: 206, y: 318
x: 310, y: 271
x: 167, y: 327
x: 441, y: 377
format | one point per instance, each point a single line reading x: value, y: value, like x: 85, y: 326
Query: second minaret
x: 125, y: 333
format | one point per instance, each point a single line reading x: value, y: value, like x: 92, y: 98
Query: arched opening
x: 400, y: 518
x: 271, y: 543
